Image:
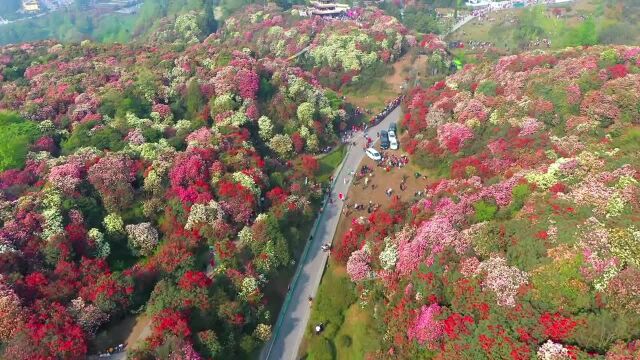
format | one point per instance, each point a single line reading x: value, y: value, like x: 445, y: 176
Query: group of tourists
x: 112, y: 350
x: 371, y: 207
x: 392, y: 161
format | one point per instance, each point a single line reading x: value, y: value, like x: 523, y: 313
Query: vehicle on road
x: 373, y: 154
x: 393, y: 127
x: 384, y: 140
x: 393, y: 140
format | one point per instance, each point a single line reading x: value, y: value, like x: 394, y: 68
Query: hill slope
x: 525, y: 243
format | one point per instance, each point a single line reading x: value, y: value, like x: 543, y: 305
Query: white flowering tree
x: 102, y: 246
x: 282, y: 145
x: 113, y: 223
x: 143, y: 238
x: 265, y: 128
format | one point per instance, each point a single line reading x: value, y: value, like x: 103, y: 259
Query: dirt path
x: 130, y: 331
x: 376, y: 99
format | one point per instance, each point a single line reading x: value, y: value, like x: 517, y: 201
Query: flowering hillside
x: 525, y: 244
x: 173, y: 180
x: 338, y: 50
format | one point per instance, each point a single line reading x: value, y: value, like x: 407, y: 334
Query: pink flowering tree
x: 11, y: 313
x: 426, y: 328
x: 67, y: 177
x: 248, y: 83
x: 112, y: 177
x: 189, y: 176
x: 358, y: 265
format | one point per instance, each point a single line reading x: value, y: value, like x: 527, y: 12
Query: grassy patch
x: 357, y: 336
x: 349, y: 332
x: 330, y: 162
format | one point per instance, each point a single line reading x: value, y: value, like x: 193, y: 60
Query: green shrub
x: 248, y: 344
x: 277, y: 178
x: 490, y: 239
x: 484, y: 211
x: 105, y: 138
x: 527, y: 253
x: 560, y: 285
x: 599, y: 330
x: 487, y: 87
x: 609, y: 57
x: 345, y: 341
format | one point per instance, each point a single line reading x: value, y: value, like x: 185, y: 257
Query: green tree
x: 105, y: 138
x: 193, y: 99
x: 16, y: 134
x: 583, y: 34
x: 531, y: 26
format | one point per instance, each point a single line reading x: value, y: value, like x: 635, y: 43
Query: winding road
x: 292, y: 322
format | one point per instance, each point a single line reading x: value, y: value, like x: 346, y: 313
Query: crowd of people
x: 370, y: 207
x: 387, y: 109
x: 473, y: 44
x: 538, y: 43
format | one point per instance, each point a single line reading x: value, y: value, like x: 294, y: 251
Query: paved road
x: 459, y: 24
x: 287, y: 340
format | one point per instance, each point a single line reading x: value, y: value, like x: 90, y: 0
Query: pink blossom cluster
x: 67, y: 177
x: 453, y: 136
x: 503, y: 280
x: 574, y: 95
x: 433, y: 235
x: 469, y: 266
x: 426, y: 328
x: 473, y: 110
x: 530, y: 126
x: 596, y: 249
x: 201, y: 137
x: 112, y: 176
x: 135, y: 137
x: 358, y: 265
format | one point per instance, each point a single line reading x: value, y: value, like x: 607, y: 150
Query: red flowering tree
x: 189, y: 176
x: 50, y: 333
x: 168, y: 323
x: 194, y: 279
x: 310, y: 165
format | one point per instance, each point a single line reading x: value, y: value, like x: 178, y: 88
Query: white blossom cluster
x: 52, y: 203
x: 103, y: 249
x: 203, y: 214
x: 143, y: 238
x: 552, y: 351
x: 246, y: 181
x: 389, y: 256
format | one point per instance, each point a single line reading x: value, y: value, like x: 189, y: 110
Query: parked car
x: 393, y: 127
x: 393, y: 140
x: 373, y: 154
x: 384, y: 140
